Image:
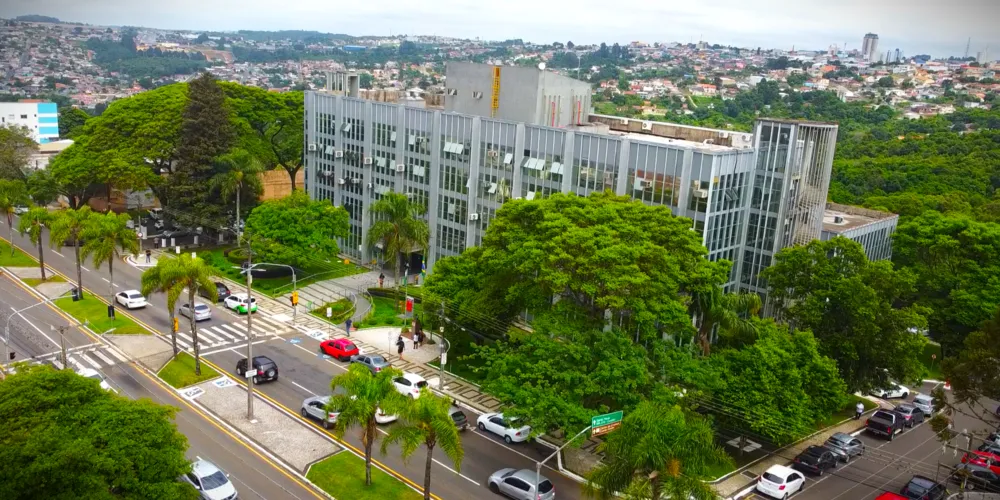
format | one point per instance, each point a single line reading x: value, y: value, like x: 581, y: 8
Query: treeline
x: 123, y: 57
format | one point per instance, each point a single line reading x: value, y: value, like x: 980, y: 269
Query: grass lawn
x: 343, y: 476
x: 19, y: 259
x: 933, y: 365
x: 96, y: 313
x: 341, y: 310
x: 272, y: 287
x: 179, y: 372
x: 384, y: 313
x: 51, y: 278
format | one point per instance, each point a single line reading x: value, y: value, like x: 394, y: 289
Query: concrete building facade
x: 40, y: 118
x: 869, y: 47
x: 873, y: 229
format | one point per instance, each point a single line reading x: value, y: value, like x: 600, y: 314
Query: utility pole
x: 249, y: 329
x: 62, y: 345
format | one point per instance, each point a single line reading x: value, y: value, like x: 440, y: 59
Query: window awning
x: 329, y: 150
x: 380, y: 162
x: 459, y: 148
x: 507, y: 158
x: 492, y: 189
x: 411, y: 140
x: 392, y: 137
x: 380, y: 189
x: 419, y: 170
x: 557, y: 168
x: 530, y: 195
x: 346, y: 128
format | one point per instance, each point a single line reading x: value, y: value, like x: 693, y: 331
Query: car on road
x: 924, y: 402
x: 210, y: 481
x: 201, y: 311
x: 315, y: 407
x: 265, y: 368
x: 131, y: 299
x: 240, y: 303
x: 94, y: 374
x: 886, y: 423
x: 410, y: 384
x: 20, y: 210
x: 70, y: 241
x: 892, y: 392
x: 503, y: 427
x: 781, y: 482
x: 373, y: 362
x: 976, y: 477
x: 924, y: 488
x: 458, y: 416
x: 520, y: 484
x: 221, y: 291
x: 912, y: 415
x: 983, y: 459
x: 845, y: 446
x: 815, y: 459
x: 890, y: 496
x: 176, y: 232
x: 341, y: 349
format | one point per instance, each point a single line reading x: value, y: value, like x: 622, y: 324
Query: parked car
x: 816, y: 459
x: 911, y: 414
x: 925, y: 403
x: 885, y: 422
x: 210, y: 481
x: 176, y: 232
x: 520, y: 484
x: 983, y: 459
x: 892, y: 392
x: 201, y: 311
x: 240, y: 303
x: 497, y: 424
x: 20, y: 210
x: 70, y: 241
x: 890, y: 496
x: 373, y: 362
x: 845, y: 446
x: 94, y: 374
x: 315, y: 407
x: 975, y: 476
x: 131, y: 299
x: 990, y: 448
x: 924, y: 488
x: 779, y: 481
x: 267, y: 370
x: 341, y: 349
x: 458, y: 416
x: 221, y: 290
x: 410, y: 384
x: 993, y: 438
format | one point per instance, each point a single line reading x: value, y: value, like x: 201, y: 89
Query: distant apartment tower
x: 871, y: 228
x: 40, y: 118
x: 869, y: 47
x: 522, y: 94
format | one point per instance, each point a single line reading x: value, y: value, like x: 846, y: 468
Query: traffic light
x: 177, y: 325
x: 12, y: 356
x: 295, y: 298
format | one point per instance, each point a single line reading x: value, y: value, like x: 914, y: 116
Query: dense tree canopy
x: 295, y: 230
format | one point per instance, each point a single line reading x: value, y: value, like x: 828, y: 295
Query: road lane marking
x: 59, y: 254
x: 85, y: 269
x: 103, y: 357
x: 304, y: 389
x: 467, y: 478
x: 233, y: 348
x: 893, y: 463
x: 105, y: 279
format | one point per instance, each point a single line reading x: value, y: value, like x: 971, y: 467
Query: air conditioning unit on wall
x: 473, y: 216
x: 338, y: 154
x: 341, y: 181
x: 400, y: 167
x: 700, y: 193
x: 312, y: 148
x: 367, y: 160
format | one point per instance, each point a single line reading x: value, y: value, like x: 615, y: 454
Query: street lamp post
x: 444, y: 358
x: 6, y: 342
x: 538, y: 466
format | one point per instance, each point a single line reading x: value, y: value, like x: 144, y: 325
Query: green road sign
x: 603, y: 424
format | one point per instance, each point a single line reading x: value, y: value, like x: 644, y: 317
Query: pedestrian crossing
x: 96, y: 356
x: 234, y: 332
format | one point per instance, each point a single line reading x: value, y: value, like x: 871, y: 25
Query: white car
x: 497, y: 424
x: 410, y: 384
x: 131, y: 299
x: 893, y: 391
x: 94, y: 374
x: 20, y: 210
x: 780, y: 482
x: 201, y: 311
x: 210, y: 481
x: 238, y: 302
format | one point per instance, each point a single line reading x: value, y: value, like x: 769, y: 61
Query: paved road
x: 254, y: 475
x: 303, y: 374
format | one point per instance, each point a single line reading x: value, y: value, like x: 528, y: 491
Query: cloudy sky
x: 937, y: 27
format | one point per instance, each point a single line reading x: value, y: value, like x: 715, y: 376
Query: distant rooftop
x: 841, y: 218
x: 673, y: 133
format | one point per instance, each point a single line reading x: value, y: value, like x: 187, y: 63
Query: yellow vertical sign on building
x: 495, y: 105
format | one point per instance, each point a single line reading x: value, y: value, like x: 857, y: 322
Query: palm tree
x: 107, y: 237
x: 184, y: 272
x: 241, y: 171
x: 364, y: 395
x: 730, y: 311
x: 32, y: 224
x: 399, y: 227
x: 154, y: 280
x: 658, y: 452
x: 68, y: 225
x: 12, y: 194
x: 427, y: 421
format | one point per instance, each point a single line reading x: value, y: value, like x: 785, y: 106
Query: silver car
x: 210, y: 481
x: 844, y: 446
x: 201, y: 311
x: 315, y: 407
x: 924, y: 402
x: 373, y: 362
x: 520, y: 485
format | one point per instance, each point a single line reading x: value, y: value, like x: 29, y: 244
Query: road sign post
x: 603, y: 424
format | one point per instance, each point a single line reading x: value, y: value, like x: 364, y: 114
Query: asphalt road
x: 254, y: 475
x: 304, y: 373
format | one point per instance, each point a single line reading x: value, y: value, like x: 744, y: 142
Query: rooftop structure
x: 873, y: 229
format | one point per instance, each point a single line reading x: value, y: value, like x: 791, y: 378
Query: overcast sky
x: 937, y: 27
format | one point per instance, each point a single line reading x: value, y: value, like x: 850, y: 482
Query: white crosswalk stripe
x: 207, y: 334
x: 223, y: 333
x: 102, y: 357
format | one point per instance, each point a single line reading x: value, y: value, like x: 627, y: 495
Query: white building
x: 40, y: 118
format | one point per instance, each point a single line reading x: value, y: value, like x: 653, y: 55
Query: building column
x: 568, y: 161
x: 515, y: 188
x: 367, y: 181
x: 623, y: 152
x: 433, y: 191
x: 474, y: 187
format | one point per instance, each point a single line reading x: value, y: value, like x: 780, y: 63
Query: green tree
x: 71, y: 121
x: 273, y: 120
x: 57, y: 424
x: 280, y: 234
x: 712, y: 307
x: 367, y: 80
x: 42, y: 188
x: 16, y: 148
x: 13, y: 193
x: 886, y: 82
x: 32, y: 224
x: 240, y: 170
x: 362, y: 396
x: 427, y: 421
x: 973, y: 380
x: 68, y: 225
x: 163, y: 278
x: 796, y: 80
x: 659, y: 452
x: 188, y: 273
x: 108, y: 238
x: 849, y: 303
x: 398, y: 227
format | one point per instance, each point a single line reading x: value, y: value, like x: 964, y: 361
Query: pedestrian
x: 381, y: 279
x: 399, y: 346
x: 416, y: 339
x: 860, y: 410
x: 348, y: 322
x: 149, y: 253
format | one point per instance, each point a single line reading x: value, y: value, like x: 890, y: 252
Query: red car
x: 983, y: 459
x: 890, y: 496
x: 341, y: 349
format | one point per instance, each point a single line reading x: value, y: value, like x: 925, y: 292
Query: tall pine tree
x: 205, y: 135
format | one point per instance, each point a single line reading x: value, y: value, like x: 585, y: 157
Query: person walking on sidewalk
x: 860, y: 410
x: 149, y: 253
x: 381, y: 279
x: 399, y: 346
x: 348, y: 324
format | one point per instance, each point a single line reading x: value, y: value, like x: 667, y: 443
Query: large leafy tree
x: 427, y: 421
x: 659, y: 452
x: 295, y: 230
x: 74, y: 172
x: 71, y: 121
x: 183, y: 272
x: 42, y: 188
x: 358, y: 396
x: 275, y: 120
x: 240, y: 176
x: 712, y: 307
x: 62, y: 436
x: 399, y: 227
x: 16, y: 147
x: 107, y: 238
x: 162, y: 278
x: 32, y: 224
x: 13, y: 193
x: 68, y: 225
x: 850, y: 304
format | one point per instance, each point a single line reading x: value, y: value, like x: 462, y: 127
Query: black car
x: 976, y: 477
x: 816, y: 459
x: 924, y: 488
x: 71, y: 241
x: 885, y: 422
x: 458, y: 416
x: 267, y: 370
x: 220, y: 288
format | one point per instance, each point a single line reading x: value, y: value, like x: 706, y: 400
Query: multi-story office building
x: 873, y: 229
x: 748, y: 195
x: 40, y: 118
x: 869, y: 47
